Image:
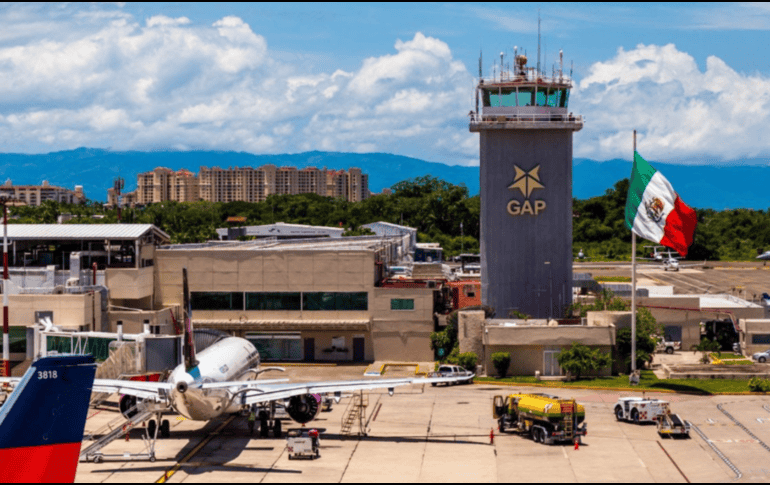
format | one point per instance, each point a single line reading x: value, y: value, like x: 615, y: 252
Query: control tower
x: 526, y: 188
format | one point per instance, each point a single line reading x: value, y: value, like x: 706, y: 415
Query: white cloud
x: 680, y: 112
x: 100, y: 78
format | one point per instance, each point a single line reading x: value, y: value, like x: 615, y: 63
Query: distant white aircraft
x: 669, y: 261
x: 764, y: 256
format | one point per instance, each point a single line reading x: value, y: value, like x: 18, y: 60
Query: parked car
x: 667, y: 346
x: 761, y: 357
x: 453, y: 371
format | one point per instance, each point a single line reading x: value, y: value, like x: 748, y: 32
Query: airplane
x: 42, y: 420
x: 656, y: 252
x: 669, y: 261
x: 222, y: 379
x: 581, y: 255
x: 764, y: 257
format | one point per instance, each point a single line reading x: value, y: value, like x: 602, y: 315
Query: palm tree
x: 707, y: 346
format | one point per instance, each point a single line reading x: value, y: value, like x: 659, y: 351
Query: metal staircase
x: 118, y: 427
x: 355, y: 413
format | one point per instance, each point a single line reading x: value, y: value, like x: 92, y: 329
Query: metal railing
x: 526, y: 118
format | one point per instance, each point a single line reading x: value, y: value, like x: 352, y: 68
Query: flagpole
x: 633, y: 289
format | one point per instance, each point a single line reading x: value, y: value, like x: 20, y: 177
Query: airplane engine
x: 126, y: 403
x: 305, y: 408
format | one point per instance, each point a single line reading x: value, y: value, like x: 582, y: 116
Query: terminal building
x: 525, y: 130
x: 329, y: 299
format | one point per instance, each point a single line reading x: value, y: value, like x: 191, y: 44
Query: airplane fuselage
x: 226, y: 360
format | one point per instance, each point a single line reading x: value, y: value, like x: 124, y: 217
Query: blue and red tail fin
x: 42, y: 421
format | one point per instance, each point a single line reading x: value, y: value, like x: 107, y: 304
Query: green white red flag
x: 655, y: 212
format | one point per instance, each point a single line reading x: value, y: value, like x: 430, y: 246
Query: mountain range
x: 719, y: 187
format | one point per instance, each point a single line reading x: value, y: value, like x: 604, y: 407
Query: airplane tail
x: 42, y: 421
x: 189, y: 339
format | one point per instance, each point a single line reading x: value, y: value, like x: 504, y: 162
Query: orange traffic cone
x: 577, y: 444
x: 491, y: 436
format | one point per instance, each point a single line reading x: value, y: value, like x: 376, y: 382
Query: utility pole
x: 6, y: 365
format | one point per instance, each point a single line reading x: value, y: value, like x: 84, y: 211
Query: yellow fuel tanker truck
x: 547, y: 419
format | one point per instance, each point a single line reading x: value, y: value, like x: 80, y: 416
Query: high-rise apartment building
x: 35, y: 195
x: 244, y: 184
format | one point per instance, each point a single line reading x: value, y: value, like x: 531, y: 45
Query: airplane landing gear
x: 165, y: 428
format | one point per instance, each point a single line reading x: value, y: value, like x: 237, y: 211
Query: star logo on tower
x: 526, y: 181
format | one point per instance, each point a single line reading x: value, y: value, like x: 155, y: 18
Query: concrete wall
x: 470, y: 332
x: 128, y: 283
x: 605, y: 319
x: 133, y: 321
x: 751, y: 327
x: 69, y: 311
x: 402, y: 335
x: 323, y: 340
x: 527, y: 344
x: 528, y: 359
x: 514, y: 248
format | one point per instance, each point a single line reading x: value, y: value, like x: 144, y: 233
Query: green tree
x: 468, y: 360
x: 580, y: 359
x: 501, y: 361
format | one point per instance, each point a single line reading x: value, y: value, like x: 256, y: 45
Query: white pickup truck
x: 667, y: 346
x: 453, y: 371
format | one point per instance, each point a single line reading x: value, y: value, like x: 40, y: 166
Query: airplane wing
x: 272, y: 392
x: 140, y: 389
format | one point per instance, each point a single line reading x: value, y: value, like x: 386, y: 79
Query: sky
x: 692, y: 79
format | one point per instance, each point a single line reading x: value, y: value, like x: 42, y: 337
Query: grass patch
x: 648, y: 381
x: 726, y: 356
x: 613, y: 279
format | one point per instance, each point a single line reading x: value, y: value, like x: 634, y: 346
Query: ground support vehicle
x: 639, y: 410
x: 670, y: 424
x: 303, y: 443
x: 547, y: 419
x: 453, y: 371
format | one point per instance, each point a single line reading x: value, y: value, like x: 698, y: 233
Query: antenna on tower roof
x: 538, y: 42
x: 480, y: 73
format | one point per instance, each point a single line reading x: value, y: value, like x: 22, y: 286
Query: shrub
x: 501, y: 361
x: 468, y: 361
x: 580, y: 359
x: 759, y: 385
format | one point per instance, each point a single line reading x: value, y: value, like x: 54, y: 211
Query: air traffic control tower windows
x: 526, y: 96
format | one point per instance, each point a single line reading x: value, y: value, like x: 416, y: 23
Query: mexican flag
x: 655, y: 212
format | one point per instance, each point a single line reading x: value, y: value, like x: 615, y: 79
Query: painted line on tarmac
x: 721, y: 455
x: 674, y: 463
x: 744, y: 428
x: 169, y: 473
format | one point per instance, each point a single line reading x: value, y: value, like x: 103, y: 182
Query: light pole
x: 6, y: 367
x: 550, y: 291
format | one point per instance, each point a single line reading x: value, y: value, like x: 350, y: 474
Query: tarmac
x: 442, y: 434
x: 747, y: 280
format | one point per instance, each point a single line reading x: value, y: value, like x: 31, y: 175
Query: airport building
x: 525, y: 130
x: 319, y: 300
